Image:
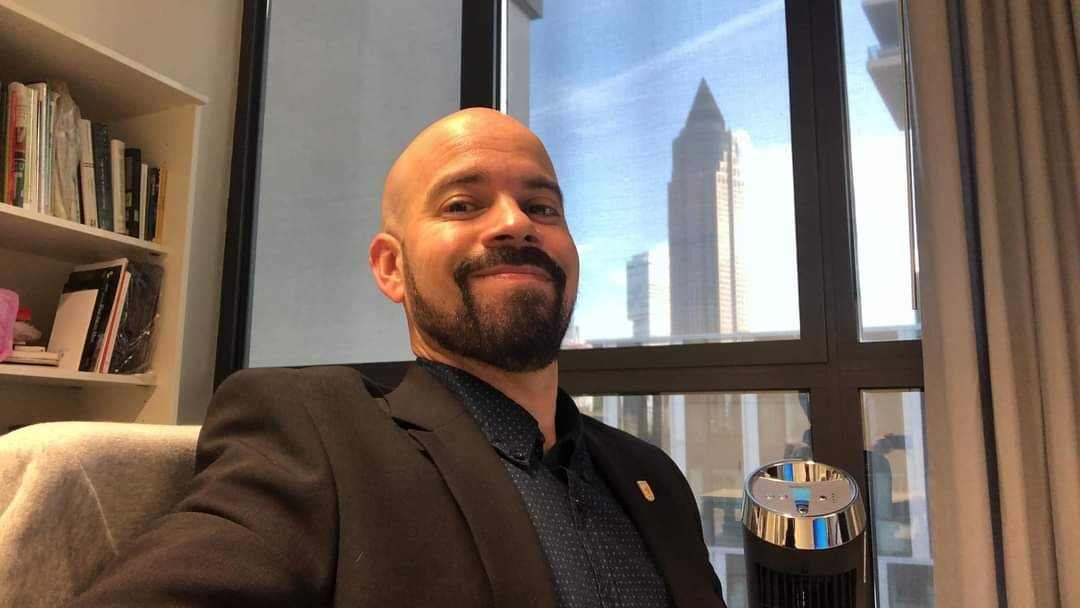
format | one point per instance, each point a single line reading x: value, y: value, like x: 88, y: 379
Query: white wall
x: 197, y: 43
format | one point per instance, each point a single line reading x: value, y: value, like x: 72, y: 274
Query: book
x: 15, y: 183
x: 48, y: 146
x: 143, y: 195
x: 40, y: 145
x: 86, y: 175
x: 33, y: 147
x: 33, y: 358
x: 105, y: 277
x: 112, y: 329
x: 134, y: 339
x: 64, y: 142
x: 116, y: 164
x: 153, y: 185
x: 159, y: 229
x: 3, y: 141
x: 3, y: 138
x: 74, y: 314
x: 99, y: 134
x: 132, y: 194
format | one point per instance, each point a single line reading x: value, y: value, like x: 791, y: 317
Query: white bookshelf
x: 148, y: 111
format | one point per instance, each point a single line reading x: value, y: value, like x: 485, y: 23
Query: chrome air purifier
x: 804, y: 530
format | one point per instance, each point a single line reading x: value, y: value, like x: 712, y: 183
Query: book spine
x: 3, y: 143
x: 132, y: 165
x: 50, y: 154
x: 102, y: 175
x: 162, y: 199
x: 107, y: 282
x: 20, y: 125
x: 144, y: 176
x: 116, y: 158
x: 93, y: 332
x: 153, y: 184
x: 112, y: 330
x: 86, y: 175
x: 32, y: 138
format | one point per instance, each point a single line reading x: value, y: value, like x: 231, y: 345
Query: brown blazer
x: 313, y: 488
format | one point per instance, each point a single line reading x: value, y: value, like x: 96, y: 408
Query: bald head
x: 453, y: 136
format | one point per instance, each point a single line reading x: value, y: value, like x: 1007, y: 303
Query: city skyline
x: 609, y: 89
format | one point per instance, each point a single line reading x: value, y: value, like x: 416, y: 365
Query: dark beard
x: 520, y: 333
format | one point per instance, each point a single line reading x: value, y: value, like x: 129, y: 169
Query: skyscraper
x: 648, y: 297
x: 705, y: 197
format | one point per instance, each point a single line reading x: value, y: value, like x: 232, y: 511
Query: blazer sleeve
x: 258, y: 526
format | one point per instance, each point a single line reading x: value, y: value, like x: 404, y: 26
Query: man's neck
x: 535, y: 391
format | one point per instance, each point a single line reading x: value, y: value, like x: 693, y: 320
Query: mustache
x: 524, y: 256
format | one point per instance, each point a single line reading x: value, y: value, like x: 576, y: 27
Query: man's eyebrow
x: 543, y: 183
x: 459, y: 179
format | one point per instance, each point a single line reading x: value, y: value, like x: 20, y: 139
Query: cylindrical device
x: 804, y: 535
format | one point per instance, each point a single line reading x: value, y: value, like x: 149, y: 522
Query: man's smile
x: 513, y: 272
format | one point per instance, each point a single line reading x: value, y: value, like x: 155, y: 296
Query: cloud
x: 602, y: 91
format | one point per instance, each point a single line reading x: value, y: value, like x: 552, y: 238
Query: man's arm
x: 259, y: 524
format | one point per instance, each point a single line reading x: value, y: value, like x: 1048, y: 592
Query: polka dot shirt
x: 595, y: 553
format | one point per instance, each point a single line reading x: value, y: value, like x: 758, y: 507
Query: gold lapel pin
x: 646, y: 491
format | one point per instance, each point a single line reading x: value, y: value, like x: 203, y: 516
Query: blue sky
x: 611, y: 84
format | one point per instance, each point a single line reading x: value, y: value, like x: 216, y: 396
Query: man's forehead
x: 475, y: 140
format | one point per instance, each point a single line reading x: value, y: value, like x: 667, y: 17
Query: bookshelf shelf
x: 37, y: 47
x: 15, y: 373
x: 51, y: 237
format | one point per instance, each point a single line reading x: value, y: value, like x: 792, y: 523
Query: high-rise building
x: 705, y: 198
x: 648, y: 295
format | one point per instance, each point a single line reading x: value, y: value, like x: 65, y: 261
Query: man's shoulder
x: 289, y: 380
x: 606, y: 437
x: 315, y: 389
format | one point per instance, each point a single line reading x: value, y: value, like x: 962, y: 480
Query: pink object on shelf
x: 9, y: 309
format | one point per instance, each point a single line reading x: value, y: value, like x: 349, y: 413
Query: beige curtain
x: 1022, y: 99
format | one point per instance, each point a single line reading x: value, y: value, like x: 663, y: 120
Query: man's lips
x: 513, y: 271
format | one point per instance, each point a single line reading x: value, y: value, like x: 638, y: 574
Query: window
x: 697, y: 144
x: 671, y: 132
x: 896, y: 462
x: 878, y: 103
x: 737, y: 180
x: 716, y: 439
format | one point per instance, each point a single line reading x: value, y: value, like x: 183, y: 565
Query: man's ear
x: 384, y: 256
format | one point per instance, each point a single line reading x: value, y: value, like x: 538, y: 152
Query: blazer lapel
x: 490, y: 502
x: 657, y: 521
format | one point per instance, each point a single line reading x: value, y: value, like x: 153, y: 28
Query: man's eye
x: 543, y: 210
x: 458, y: 207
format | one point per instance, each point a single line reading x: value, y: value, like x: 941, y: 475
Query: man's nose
x: 511, y: 225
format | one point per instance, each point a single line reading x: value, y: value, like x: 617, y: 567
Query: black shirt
x: 595, y: 553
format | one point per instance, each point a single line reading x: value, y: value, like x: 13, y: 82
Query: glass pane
x: 669, y: 126
x: 348, y: 84
x: 896, y: 464
x: 716, y: 439
x: 877, y: 116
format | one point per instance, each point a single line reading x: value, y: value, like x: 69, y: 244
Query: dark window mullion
x: 805, y: 168
x: 480, y: 53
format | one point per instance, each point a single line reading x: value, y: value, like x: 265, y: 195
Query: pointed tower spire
x: 704, y: 108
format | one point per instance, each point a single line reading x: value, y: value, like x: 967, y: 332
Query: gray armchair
x: 73, y: 493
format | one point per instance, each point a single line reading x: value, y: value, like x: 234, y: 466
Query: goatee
x: 520, y: 332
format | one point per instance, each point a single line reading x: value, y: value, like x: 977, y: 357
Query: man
x: 475, y: 482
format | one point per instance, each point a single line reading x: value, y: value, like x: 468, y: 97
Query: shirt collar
x: 510, y: 429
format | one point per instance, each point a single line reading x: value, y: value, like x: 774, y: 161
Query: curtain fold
x: 957, y: 467
x: 1021, y: 93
